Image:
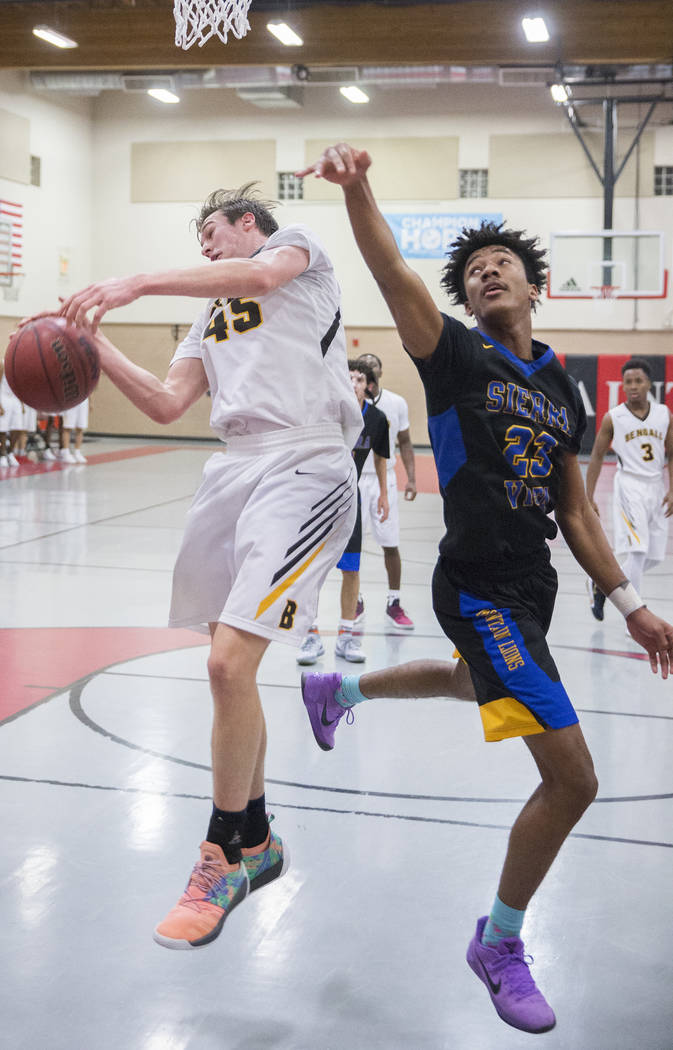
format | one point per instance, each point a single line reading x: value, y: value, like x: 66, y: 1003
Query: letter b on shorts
x: 287, y: 619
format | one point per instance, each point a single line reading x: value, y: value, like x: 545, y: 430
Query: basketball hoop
x: 604, y: 297
x: 11, y: 282
x: 604, y: 291
x: 197, y: 20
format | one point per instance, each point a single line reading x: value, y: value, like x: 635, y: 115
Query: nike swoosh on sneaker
x: 495, y: 988
x: 323, y: 717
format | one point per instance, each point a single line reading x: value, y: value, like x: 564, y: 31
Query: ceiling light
x: 283, y: 33
x: 354, y: 94
x: 535, y: 29
x: 559, y: 92
x: 52, y: 36
x: 162, y: 95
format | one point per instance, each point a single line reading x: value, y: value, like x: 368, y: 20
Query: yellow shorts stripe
x: 507, y: 717
x: 270, y: 598
x: 630, y: 527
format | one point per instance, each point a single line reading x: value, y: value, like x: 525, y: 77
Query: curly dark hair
x: 235, y: 203
x: 472, y: 239
x: 637, y: 362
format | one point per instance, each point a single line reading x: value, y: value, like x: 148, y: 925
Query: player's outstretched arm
x: 163, y: 402
x: 601, y: 445
x: 229, y: 278
x: 418, y: 320
x: 584, y: 535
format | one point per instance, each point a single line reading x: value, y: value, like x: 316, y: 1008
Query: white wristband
x: 626, y: 599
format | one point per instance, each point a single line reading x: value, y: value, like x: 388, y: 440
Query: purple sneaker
x: 324, y: 711
x: 504, y: 971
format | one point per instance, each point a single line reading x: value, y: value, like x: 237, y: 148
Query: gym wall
x: 122, y: 178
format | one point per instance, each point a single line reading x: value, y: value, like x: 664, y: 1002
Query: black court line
x: 95, y: 521
x: 43, y: 563
x: 388, y: 700
x: 79, y: 713
x: 321, y: 809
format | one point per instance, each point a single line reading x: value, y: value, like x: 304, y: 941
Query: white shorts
x: 13, y: 416
x: 639, y: 520
x: 76, y: 418
x: 386, y: 533
x: 29, y: 419
x: 271, y: 517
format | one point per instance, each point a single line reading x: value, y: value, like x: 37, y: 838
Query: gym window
x: 663, y: 181
x: 474, y: 182
x: 35, y: 171
x: 290, y: 186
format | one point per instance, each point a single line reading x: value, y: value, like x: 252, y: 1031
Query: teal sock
x: 348, y: 692
x: 502, y: 922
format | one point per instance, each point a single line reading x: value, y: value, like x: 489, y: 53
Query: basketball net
x: 605, y: 299
x: 197, y: 20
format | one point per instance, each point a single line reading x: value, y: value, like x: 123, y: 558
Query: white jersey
x: 396, y: 411
x: 639, y: 444
x: 279, y: 360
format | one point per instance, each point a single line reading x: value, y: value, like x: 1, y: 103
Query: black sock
x: 226, y: 830
x: 257, y: 825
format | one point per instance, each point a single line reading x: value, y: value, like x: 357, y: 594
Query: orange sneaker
x: 214, y: 889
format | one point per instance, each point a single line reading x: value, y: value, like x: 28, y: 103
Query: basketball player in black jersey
x: 505, y: 424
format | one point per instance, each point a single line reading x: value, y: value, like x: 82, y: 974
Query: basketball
x: 51, y: 365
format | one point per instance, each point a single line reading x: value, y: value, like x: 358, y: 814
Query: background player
x: 275, y: 506
x: 641, y: 436
x: 373, y: 438
x: 386, y: 531
x: 13, y: 423
x: 506, y: 424
x: 74, y: 419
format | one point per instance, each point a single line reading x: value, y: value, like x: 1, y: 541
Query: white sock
x: 393, y: 596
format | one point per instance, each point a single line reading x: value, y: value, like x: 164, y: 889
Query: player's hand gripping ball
x: 51, y: 365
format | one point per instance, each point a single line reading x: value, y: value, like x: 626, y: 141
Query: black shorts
x: 499, y: 629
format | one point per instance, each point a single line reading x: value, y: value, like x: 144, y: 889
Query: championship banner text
x: 428, y: 235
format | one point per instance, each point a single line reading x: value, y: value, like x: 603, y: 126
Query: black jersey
x: 374, y: 436
x: 499, y: 428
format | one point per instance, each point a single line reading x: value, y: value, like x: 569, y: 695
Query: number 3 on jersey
x: 246, y: 314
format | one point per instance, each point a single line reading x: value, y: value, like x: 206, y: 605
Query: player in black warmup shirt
x: 505, y: 424
x: 373, y: 438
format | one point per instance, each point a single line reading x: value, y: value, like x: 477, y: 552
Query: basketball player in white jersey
x: 275, y: 507
x: 641, y: 436
x: 12, y: 422
x: 387, y: 533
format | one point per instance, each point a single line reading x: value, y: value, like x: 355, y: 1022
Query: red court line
x: 40, y: 661
x: 426, y: 473
x: 27, y: 467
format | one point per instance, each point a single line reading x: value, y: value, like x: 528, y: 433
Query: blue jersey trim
x: 527, y: 368
x: 527, y: 683
x: 447, y: 444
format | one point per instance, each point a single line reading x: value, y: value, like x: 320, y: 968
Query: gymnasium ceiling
x: 138, y: 35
